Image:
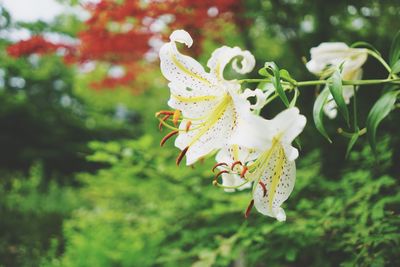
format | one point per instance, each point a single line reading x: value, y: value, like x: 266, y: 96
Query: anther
x: 181, y: 155
x: 166, y: 117
x: 243, y: 171
x: 249, y: 207
x: 164, y: 112
x: 168, y: 136
x: 176, y: 116
x: 218, y: 174
x: 236, y: 163
x: 188, y: 124
x: 264, y: 188
x: 215, y: 183
x: 219, y: 164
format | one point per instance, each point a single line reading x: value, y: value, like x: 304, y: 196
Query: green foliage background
x: 81, y: 185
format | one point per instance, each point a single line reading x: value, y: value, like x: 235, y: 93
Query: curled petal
x: 181, y: 36
x: 260, y: 98
x: 183, y: 69
x: 223, y: 55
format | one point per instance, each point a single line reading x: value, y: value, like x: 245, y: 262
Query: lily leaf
x: 396, y: 67
x: 379, y: 111
x: 394, y: 55
x: 318, y: 113
x: 352, y: 142
x: 276, y: 81
x: 336, y: 89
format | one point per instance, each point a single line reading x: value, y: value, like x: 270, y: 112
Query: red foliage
x: 35, y: 45
x: 121, y: 33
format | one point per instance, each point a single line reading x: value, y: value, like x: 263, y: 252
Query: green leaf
x: 394, y: 54
x: 286, y: 76
x: 352, y: 142
x: 276, y: 81
x: 379, y: 111
x: 318, y: 113
x: 396, y: 67
x: 264, y: 72
x: 336, y: 89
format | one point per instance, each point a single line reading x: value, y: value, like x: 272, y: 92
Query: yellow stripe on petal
x: 180, y: 66
x: 213, y: 118
x: 194, y: 98
x: 278, y: 170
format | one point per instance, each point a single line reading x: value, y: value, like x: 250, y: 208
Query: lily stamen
x: 181, y: 155
x: 243, y: 172
x: 236, y: 163
x: 219, y: 174
x: 188, y: 124
x: 164, y: 112
x: 168, y: 136
x: 249, y: 207
x: 160, y: 125
x: 219, y: 164
x: 263, y: 187
x: 176, y: 116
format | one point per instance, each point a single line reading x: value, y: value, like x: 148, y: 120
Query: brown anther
x: 215, y: 182
x: 164, y: 112
x: 176, y: 116
x: 243, y: 172
x: 168, y: 136
x: 236, y: 163
x: 181, y: 155
x: 166, y: 117
x: 188, y: 124
x: 249, y: 207
x: 264, y: 188
x: 218, y: 174
x: 219, y: 164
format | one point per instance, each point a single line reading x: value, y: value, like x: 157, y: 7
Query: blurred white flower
x: 327, y: 57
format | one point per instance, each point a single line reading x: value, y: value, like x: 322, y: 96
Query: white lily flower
x: 326, y: 57
x: 208, y: 106
x: 271, y: 166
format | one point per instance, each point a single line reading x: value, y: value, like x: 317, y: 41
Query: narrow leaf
x: 396, y: 67
x: 352, y: 142
x: 318, y: 113
x: 394, y: 54
x: 336, y: 89
x: 276, y: 81
x: 379, y: 111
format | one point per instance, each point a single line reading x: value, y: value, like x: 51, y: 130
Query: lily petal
x: 279, y: 179
x: 210, y: 133
x: 223, y: 55
x: 331, y: 55
x: 182, y: 69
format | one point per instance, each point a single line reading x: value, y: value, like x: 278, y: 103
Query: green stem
x: 323, y: 82
x: 380, y: 59
x: 344, y: 82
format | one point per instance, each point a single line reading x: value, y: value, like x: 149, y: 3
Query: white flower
x: 326, y: 57
x: 271, y: 166
x: 209, y: 106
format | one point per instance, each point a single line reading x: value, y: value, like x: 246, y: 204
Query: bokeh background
x: 83, y: 181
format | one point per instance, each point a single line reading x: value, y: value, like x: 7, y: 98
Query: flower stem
x: 344, y: 82
x: 380, y: 59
